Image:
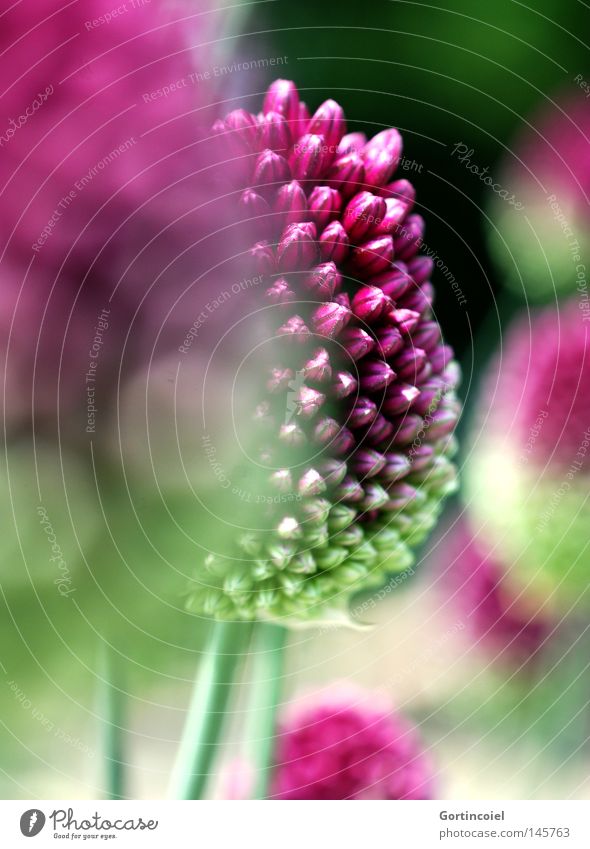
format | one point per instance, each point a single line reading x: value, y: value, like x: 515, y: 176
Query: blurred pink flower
x: 498, y: 616
x: 345, y: 747
x: 106, y: 200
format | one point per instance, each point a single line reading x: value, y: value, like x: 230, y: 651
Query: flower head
x: 528, y: 476
x: 342, y: 748
x: 356, y: 412
x: 501, y: 619
x: 540, y: 232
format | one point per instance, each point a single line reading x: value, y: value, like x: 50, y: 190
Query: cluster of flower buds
x: 357, y: 410
x: 343, y: 746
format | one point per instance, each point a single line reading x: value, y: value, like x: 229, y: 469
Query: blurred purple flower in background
x: 104, y: 189
x: 544, y: 248
x: 343, y: 746
x: 527, y: 478
x: 502, y: 622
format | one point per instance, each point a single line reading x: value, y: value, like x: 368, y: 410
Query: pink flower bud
x: 291, y: 203
x: 329, y: 319
x: 347, y: 174
x: 334, y: 243
x: 282, y: 97
x: 363, y: 213
x: 275, y: 133
x: 324, y: 205
x: 308, y: 157
x: 297, y: 249
x: 328, y: 121
x: 372, y: 257
x: 381, y: 156
x: 371, y: 304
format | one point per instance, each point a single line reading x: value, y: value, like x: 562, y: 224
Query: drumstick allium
x: 357, y: 408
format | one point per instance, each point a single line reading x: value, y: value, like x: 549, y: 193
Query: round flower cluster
x: 357, y: 409
x: 343, y: 749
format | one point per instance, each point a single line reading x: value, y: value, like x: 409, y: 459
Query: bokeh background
x: 113, y: 243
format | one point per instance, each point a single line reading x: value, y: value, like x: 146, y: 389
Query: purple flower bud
x: 271, y: 169
x: 308, y: 157
x: 367, y: 463
x: 311, y: 483
x: 421, y: 457
x: 280, y: 292
x: 442, y: 422
x: 395, y: 282
x: 426, y: 335
x: 291, y: 204
x: 399, y: 398
x: 395, y: 212
x: 370, y: 304
x: 345, y: 384
x: 406, y: 320
x: 302, y: 120
x: 292, y: 436
x: 409, y: 239
x: 430, y: 396
x: 295, y: 329
x: 372, y: 257
x: 363, y: 213
x: 323, y: 281
x: 400, y: 496
x: 333, y: 471
x: 297, y: 248
x: 309, y: 401
x: 389, y: 341
x: 406, y: 428
x: 324, y: 205
x: 409, y: 362
x: 263, y: 258
x: 328, y: 121
x: 421, y: 267
x: 381, y: 156
x: 351, y: 143
x: 347, y: 174
x: 375, y: 375
x: 334, y: 243
x: 318, y: 367
x: 242, y: 132
x: 375, y: 497
x: 379, y: 430
x: 440, y: 358
x: 275, y: 133
x: 282, y: 97
x: 357, y: 342
x: 254, y: 205
x: 326, y: 430
x: 401, y: 189
x: 329, y: 319
x: 417, y: 298
x: 396, y: 466
x: 279, y: 380
x: 350, y: 490
x: 363, y: 413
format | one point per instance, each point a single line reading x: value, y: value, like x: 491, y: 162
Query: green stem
x: 113, y: 712
x: 266, y: 691
x: 204, y: 721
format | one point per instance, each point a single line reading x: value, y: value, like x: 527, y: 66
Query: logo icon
x: 32, y: 822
